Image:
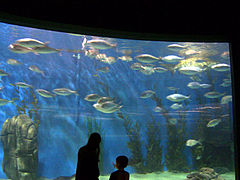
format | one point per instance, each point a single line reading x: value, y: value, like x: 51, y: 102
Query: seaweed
x: 154, y: 148
x: 134, y: 143
x: 95, y: 126
x: 27, y: 103
x: 175, y: 159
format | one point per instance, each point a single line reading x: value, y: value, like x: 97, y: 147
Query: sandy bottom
x: 157, y: 176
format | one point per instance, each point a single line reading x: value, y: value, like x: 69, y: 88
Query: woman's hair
x: 94, y: 141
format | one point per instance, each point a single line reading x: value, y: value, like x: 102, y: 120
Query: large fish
x: 213, y: 94
x: 226, y: 99
x: 45, y: 50
x: 171, y: 58
x: 147, y: 58
x: 190, y: 70
x: 177, y: 97
x: 30, y: 43
x: 221, y: 67
x: 100, y: 44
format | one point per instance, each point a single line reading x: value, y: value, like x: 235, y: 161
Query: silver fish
x: 190, y: 70
x: 176, y: 106
x: 29, y: 42
x: 194, y: 85
x: 177, y: 97
x: 23, y: 85
x: 92, y: 97
x: 160, y: 69
x: 147, y: 58
x: 45, y: 93
x: 100, y: 44
x: 104, y: 99
x: 35, y: 69
x: 125, y: 58
x: 176, y: 47
x: 64, y: 91
x: 213, y: 94
x: 221, y: 67
x: 226, y: 99
x: 45, y: 50
x: 213, y: 122
x: 171, y: 58
x: 13, y: 62
x: 147, y: 94
x: 192, y: 142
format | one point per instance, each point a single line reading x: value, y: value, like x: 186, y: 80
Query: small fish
x: 16, y: 48
x: 125, y: 58
x: 176, y: 106
x: 226, y: 99
x: 190, y: 70
x: 3, y: 73
x: 192, y: 142
x: 147, y: 70
x: 13, y: 62
x: 172, y: 121
x: 136, y: 66
x: 171, y: 58
x: 191, y: 52
x: 147, y: 58
x: 107, y: 107
x: 109, y: 60
x: 64, y: 91
x: 147, y: 94
x: 173, y: 88
x: 213, y: 122
x: 103, y: 69
x: 213, y: 94
x: 160, y: 69
x: 23, y: 85
x: 100, y: 44
x: 177, y: 97
x: 221, y: 67
x: 105, y: 99
x: 92, y: 97
x: 225, y: 84
x: 4, y: 102
x: 36, y: 69
x: 205, y: 86
x: 176, y: 47
x: 158, y: 109
x: 194, y: 85
x: 45, y: 93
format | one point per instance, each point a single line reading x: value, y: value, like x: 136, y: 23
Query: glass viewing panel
x: 167, y: 106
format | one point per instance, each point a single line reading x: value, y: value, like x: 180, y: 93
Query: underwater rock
x: 20, y: 147
x: 204, y: 173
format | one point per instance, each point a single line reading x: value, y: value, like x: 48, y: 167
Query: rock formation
x: 19, y: 139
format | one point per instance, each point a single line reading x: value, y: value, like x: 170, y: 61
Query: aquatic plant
x: 174, y: 158
x: 134, y: 143
x: 217, y: 143
x: 27, y: 103
x: 95, y: 126
x: 153, y: 161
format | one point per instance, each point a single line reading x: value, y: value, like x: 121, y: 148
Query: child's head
x: 121, y: 162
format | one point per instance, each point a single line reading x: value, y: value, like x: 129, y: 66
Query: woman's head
x: 94, y: 140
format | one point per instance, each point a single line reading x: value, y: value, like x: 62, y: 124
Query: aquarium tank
x: 165, y: 105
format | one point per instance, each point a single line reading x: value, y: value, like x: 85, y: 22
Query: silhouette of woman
x: 88, y: 158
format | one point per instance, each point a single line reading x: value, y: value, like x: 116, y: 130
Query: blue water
x: 62, y: 129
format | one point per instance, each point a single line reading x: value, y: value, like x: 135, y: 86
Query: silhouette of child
x: 120, y: 174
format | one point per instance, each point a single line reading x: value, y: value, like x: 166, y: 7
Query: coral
x: 27, y: 103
